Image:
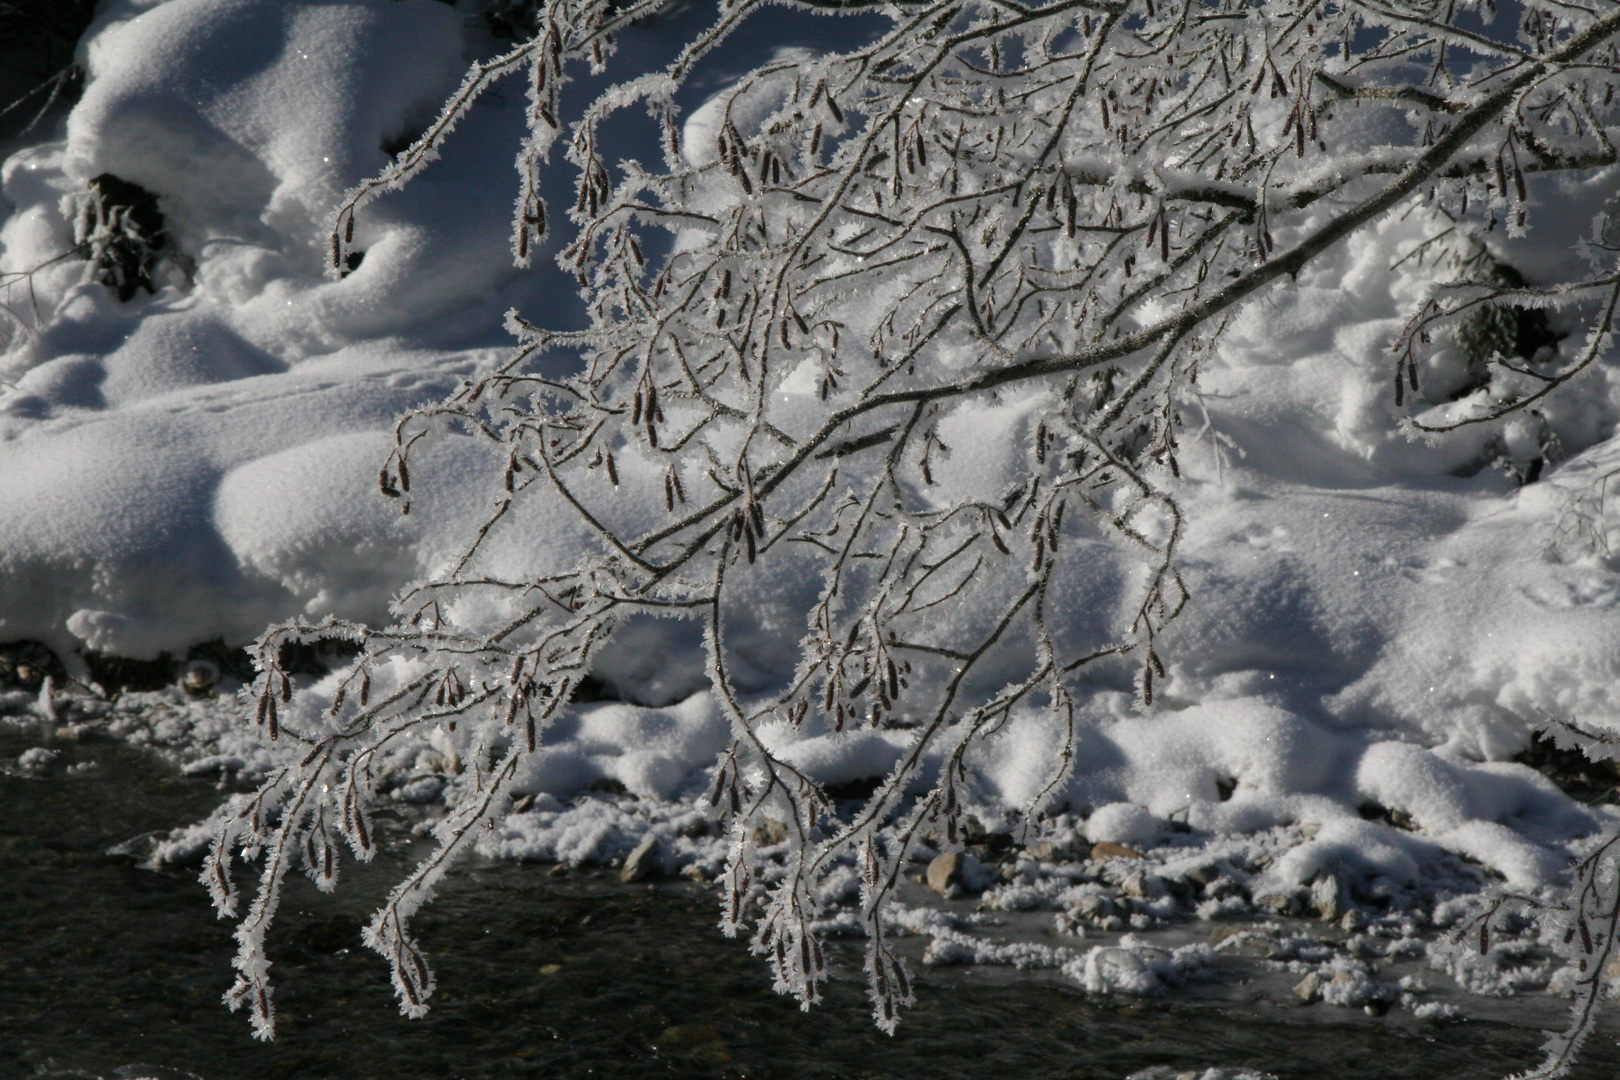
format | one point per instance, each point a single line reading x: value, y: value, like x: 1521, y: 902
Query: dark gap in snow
x: 122, y: 229
x: 37, y: 66
x: 24, y: 664
x: 1508, y: 329
x: 119, y: 674
x: 861, y: 789
x: 1395, y: 819
x: 1581, y: 778
x: 593, y: 688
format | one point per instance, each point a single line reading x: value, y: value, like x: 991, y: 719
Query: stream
x: 109, y: 970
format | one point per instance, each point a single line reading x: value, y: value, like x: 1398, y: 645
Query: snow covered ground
x: 1377, y: 624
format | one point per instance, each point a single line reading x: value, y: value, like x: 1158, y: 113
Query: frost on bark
x: 1050, y: 210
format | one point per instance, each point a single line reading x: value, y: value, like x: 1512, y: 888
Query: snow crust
x: 1372, y: 636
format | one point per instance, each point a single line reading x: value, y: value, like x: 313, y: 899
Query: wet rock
x: 1107, y: 849
x: 1280, y: 903
x: 1309, y: 988
x: 642, y: 863
x: 945, y: 873
x: 695, y: 873
x: 1045, y: 851
x: 1352, y: 921
x: 199, y: 678
x: 1143, y: 886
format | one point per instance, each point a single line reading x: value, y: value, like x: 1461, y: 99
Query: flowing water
x: 105, y: 966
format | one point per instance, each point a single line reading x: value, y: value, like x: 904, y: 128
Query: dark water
x: 103, y: 965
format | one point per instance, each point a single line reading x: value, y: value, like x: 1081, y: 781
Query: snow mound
x: 1137, y: 969
x: 196, y: 462
x: 653, y: 753
x: 1377, y: 624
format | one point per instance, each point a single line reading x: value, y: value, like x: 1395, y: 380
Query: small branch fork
x: 997, y: 234
x: 1584, y: 930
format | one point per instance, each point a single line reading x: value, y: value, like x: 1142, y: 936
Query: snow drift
x: 1377, y: 624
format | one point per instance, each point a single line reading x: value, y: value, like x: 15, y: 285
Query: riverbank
x: 575, y: 973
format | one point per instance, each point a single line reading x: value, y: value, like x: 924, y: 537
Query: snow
x: 1370, y: 635
x: 191, y: 465
x: 37, y: 757
x: 1138, y: 969
x: 651, y: 752
x: 1121, y: 823
x: 247, y: 117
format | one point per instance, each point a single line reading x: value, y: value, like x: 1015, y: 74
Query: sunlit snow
x: 1367, y: 626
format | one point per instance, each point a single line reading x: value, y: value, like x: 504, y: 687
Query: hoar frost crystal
x: 906, y: 333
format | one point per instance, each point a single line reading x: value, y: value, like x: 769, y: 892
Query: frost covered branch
x: 908, y: 329
x: 1582, y: 930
